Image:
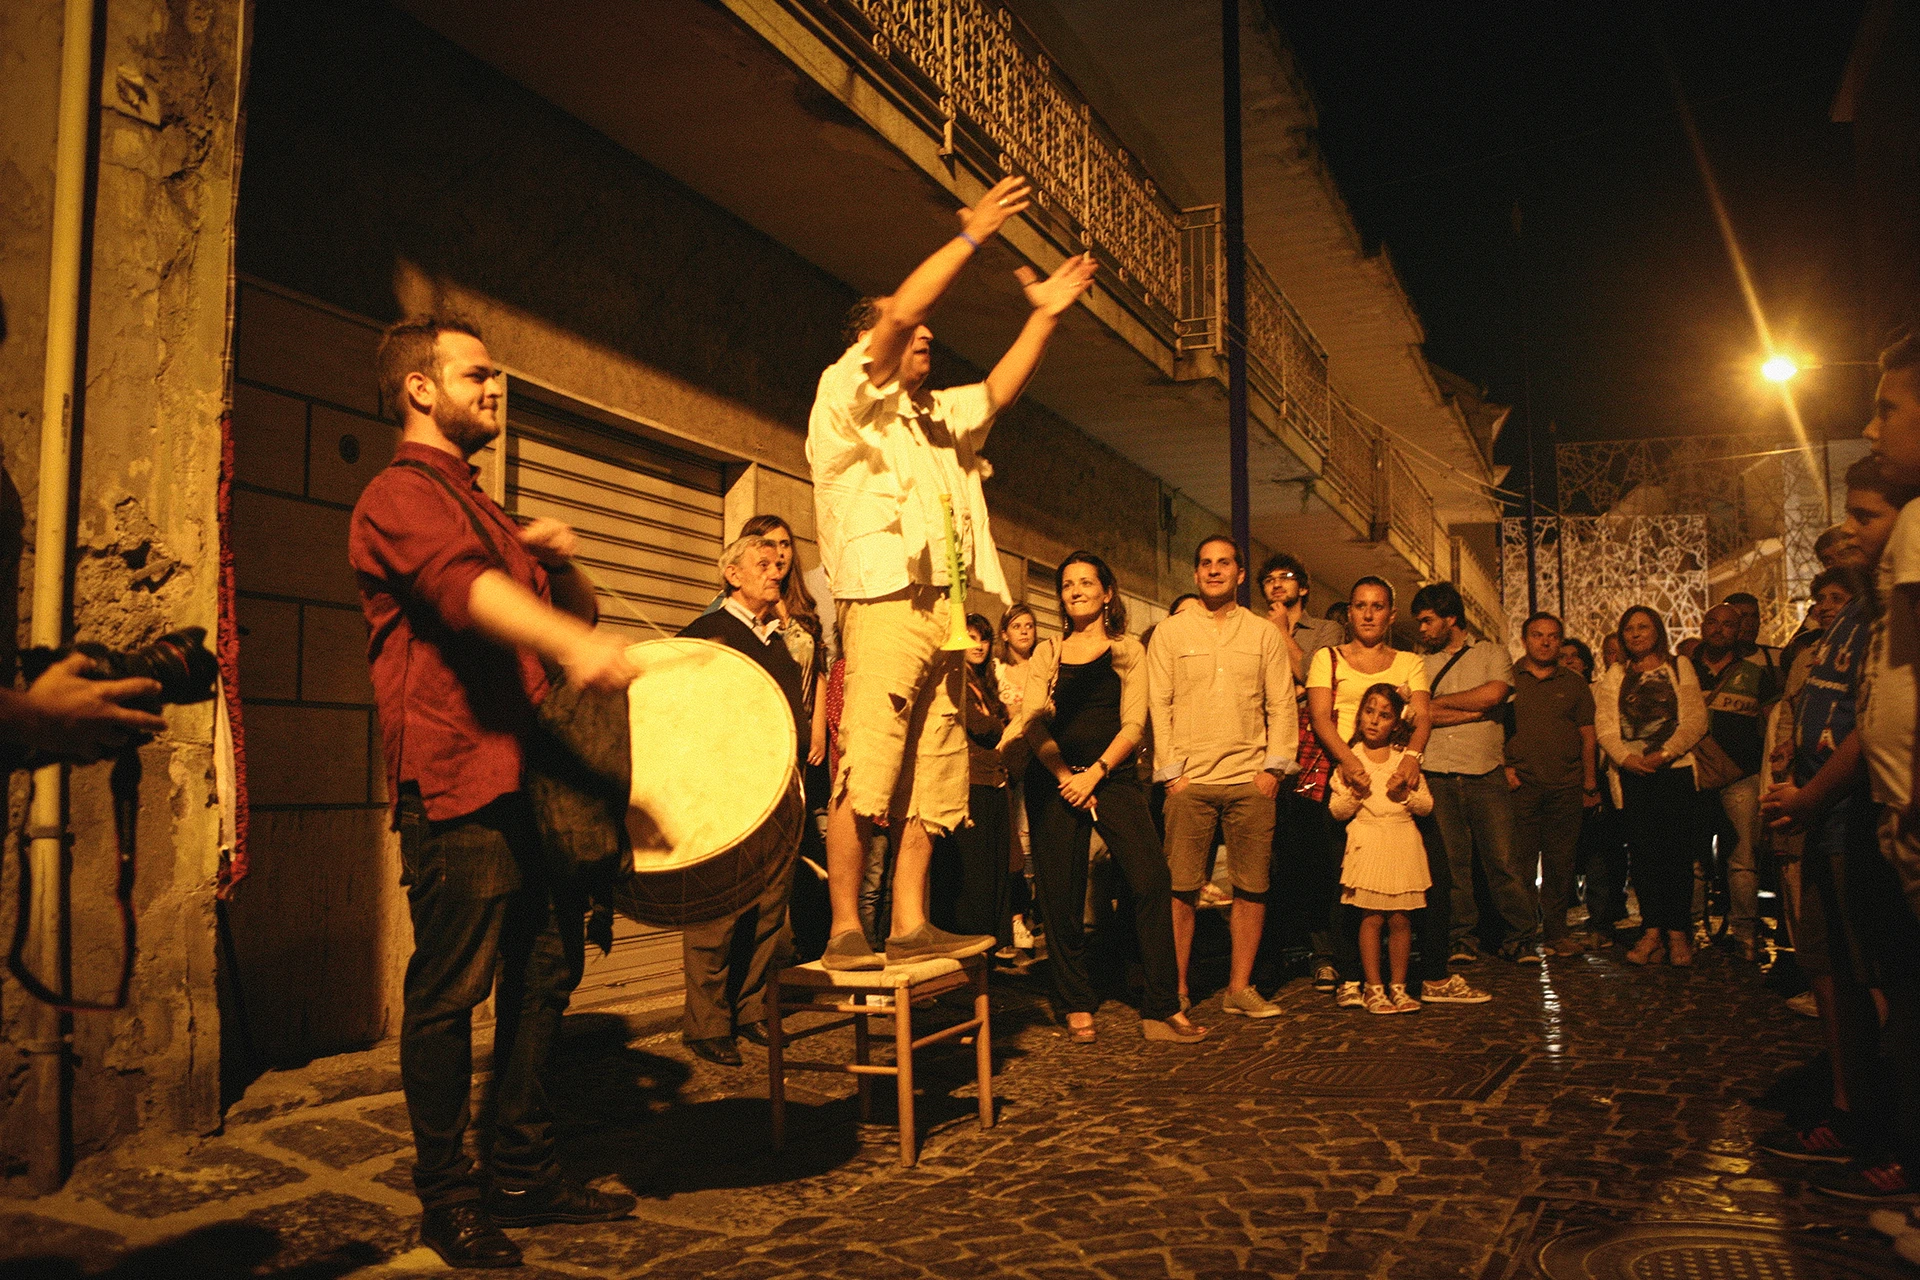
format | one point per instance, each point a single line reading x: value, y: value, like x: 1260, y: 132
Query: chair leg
x: 903, y: 1066
x: 776, y: 1068
x: 983, y: 1046
x: 862, y: 1054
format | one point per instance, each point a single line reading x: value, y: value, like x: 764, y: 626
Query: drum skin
x: 716, y: 810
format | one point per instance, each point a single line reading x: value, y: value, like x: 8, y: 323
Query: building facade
x: 659, y: 216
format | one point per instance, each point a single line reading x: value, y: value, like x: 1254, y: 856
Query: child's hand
x: 1358, y: 780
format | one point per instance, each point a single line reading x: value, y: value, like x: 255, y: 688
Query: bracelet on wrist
x: 969, y: 239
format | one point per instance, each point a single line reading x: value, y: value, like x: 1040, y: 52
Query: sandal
x: 1375, y: 1000
x: 1167, y: 1031
x: 1402, y: 1002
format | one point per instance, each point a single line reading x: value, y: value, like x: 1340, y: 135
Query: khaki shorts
x: 1244, y: 815
x: 903, y: 750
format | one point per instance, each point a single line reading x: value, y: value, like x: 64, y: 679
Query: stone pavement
x: 1589, y: 1102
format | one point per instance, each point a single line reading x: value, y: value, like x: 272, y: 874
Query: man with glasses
x: 1303, y: 825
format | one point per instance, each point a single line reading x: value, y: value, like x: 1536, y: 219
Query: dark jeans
x: 1546, y: 833
x: 1603, y: 859
x: 1306, y: 873
x: 1431, y: 935
x: 1659, y: 812
x: 1475, y: 815
x: 1061, y: 837
x: 478, y: 893
x: 969, y: 883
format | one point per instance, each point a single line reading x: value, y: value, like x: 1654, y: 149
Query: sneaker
x: 847, y: 952
x: 556, y: 1201
x: 1007, y: 955
x: 1022, y: 934
x: 1402, y: 1002
x: 929, y: 943
x: 1248, y: 1003
x: 1348, y: 996
x: 1894, y: 1223
x: 1325, y: 976
x: 1567, y: 946
x: 1464, y: 952
x: 1376, y: 1000
x: 1821, y: 1141
x: 1883, y: 1181
x: 1804, y: 1004
x: 1453, y: 991
x: 1212, y: 895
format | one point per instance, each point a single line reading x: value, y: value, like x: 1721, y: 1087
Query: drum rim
x: 792, y: 739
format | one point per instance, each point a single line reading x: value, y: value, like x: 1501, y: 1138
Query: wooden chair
x: 809, y: 988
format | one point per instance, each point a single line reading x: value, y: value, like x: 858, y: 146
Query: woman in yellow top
x: 1337, y: 682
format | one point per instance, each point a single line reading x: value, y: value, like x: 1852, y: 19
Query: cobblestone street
x: 1587, y: 1101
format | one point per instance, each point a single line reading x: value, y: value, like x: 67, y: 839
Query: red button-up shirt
x: 454, y: 705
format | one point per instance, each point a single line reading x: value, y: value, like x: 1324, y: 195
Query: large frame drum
x: 716, y: 810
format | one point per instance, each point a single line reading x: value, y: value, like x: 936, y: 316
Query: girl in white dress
x: 1384, y: 873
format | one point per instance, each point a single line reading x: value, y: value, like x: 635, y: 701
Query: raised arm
x: 1048, y: 298
x: 914, y: 300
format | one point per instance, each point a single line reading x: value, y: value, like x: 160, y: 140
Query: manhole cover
x: 1709, y: 1251
x: 1332, y: 1075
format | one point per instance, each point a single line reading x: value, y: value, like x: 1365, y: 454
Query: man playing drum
x: 463, y: 605
x: 884, y: 451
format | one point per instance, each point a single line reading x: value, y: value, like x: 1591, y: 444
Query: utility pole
x: 1235, y: 327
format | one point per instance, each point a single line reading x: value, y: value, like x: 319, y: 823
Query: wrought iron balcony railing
x: 1409, y: 507
x: 1283, y: 358
x: 982, y: 71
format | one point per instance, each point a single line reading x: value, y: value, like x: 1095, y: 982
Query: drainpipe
x: 47, y: 1030
x: 1233, y: 216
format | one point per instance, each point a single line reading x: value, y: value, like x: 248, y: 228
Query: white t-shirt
x: 1889, y: 684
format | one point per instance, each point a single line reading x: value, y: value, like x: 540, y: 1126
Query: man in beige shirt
x: 1225, y: 731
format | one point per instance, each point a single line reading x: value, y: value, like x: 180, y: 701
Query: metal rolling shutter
x: 649, y: 523
x: 1043, y: 599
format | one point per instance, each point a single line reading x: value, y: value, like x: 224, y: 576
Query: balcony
x: 979, y: 77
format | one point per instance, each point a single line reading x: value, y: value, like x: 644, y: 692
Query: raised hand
x: 1060, y: 290
x: 1002, y: 201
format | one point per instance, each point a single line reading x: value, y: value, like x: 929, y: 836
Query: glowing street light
x: 1778, y: 369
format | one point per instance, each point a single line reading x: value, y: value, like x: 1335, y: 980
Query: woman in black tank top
x: 1087, y: 702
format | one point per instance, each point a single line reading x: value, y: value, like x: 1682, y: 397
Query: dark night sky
x: 1438, y: 118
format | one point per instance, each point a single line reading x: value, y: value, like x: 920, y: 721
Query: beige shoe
x: 1167, y: 1031
x: 1249, y: 1003
x: 1402, y: 1002
x: 1453, y: 991
x: 1376, y: 1000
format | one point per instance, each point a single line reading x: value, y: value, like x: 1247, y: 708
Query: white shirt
x: 762, y: 628
x: 1220, y: 695
x: 880, y: 464
x: 1891, y: 680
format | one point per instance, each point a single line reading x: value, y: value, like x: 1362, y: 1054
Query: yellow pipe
x: 47, y: 1157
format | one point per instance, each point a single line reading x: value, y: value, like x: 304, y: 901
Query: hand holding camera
x: 69, y: 714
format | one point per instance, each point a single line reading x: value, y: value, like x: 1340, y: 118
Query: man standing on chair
x: 728, y: 960
x: 463, y: 606
x: 884, y: 450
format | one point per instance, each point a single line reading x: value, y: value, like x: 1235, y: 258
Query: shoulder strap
x: 1434, y: 684
x: 466, y: 504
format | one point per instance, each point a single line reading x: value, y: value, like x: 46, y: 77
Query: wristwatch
x: 1417, y: 755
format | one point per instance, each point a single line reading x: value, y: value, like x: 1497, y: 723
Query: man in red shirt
x: 463, y: 605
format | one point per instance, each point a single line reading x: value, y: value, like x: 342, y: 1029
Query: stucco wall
x: 145, y: 532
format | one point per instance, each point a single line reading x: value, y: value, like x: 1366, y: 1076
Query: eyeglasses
x: 1281, y: 575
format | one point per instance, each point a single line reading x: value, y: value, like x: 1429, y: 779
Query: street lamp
x: 1778, y: 369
